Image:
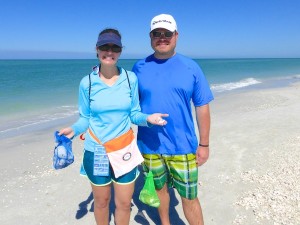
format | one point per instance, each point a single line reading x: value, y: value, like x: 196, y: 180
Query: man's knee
x: 190, y: 202
x: 163, y: 190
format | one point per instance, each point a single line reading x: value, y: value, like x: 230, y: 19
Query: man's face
x: 163, y: 42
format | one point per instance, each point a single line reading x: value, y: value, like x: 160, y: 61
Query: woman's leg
x: 101, y: 203
x: 123, y: 196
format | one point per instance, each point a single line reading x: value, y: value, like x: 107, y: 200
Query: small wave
x: 234, y: 85
x: 31, y: 121
x: 296, y: 76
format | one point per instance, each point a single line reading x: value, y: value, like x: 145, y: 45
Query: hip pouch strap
x: 116, y: 143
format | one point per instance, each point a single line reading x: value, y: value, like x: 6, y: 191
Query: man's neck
x: 164, y: 56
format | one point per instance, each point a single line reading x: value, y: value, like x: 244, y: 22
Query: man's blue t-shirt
x: 169, y: 86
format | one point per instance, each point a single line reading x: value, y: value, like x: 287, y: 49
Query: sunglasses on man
x: 167, y: 34
x: 113, y: 48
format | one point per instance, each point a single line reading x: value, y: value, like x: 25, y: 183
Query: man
x: 168, y: 82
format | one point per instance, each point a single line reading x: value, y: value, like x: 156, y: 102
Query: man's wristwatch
x: 203, y: 145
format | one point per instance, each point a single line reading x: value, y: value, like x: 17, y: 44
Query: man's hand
x: 202, y: 155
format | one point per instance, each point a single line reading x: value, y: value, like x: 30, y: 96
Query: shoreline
x: 250, y: 177
x: 43, y: 119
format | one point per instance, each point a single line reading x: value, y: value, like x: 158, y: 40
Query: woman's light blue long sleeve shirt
x: 108, y: 110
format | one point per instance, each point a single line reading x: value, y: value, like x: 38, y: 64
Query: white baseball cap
x: 163, y: 21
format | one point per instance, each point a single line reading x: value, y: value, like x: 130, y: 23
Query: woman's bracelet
x: 204, y: 145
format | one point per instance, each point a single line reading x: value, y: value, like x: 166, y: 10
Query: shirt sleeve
x: 136, y: 116
x: 202, y: 94
x: 82, y: 124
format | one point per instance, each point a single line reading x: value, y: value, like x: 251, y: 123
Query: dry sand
x: 252, y: 176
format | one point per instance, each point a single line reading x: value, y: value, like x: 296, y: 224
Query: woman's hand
x: 68, y: 132
x: 157, y: 119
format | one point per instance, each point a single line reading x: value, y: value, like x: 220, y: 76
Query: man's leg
x: 185, y: 178
x: 163, y: 209
x: 192, y: 211
x: 156, y: 164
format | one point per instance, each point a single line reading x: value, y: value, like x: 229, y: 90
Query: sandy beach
x: 252, y: 176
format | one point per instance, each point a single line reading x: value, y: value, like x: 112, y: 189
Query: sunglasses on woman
x: 167, y: 34
x: 113, y: 48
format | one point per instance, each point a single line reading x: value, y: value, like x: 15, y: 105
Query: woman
x: 108, y: 103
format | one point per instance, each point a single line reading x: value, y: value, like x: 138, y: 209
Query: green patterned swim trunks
x: 179, y: 171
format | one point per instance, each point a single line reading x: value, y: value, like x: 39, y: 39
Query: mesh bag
x: 148, y: 194
x: 63, y: 155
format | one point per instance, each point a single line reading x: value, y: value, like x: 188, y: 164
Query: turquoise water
x: 220, y: 71
x: 41, y: 92
x: 28, y: 85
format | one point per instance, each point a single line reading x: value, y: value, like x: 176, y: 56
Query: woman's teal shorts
x: 88, y: 164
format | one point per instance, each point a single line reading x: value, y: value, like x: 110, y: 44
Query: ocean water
x: 36, y: 94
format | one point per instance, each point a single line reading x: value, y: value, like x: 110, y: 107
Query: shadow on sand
x: 144, y: 211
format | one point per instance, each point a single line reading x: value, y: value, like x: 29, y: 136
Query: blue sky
x: 207, y: 28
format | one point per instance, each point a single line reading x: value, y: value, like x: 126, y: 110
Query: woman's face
x: 108, y: 54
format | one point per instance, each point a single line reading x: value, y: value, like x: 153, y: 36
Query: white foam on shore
x: 296, y: 76
x: 234, y: 85
x: 36, y: 121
